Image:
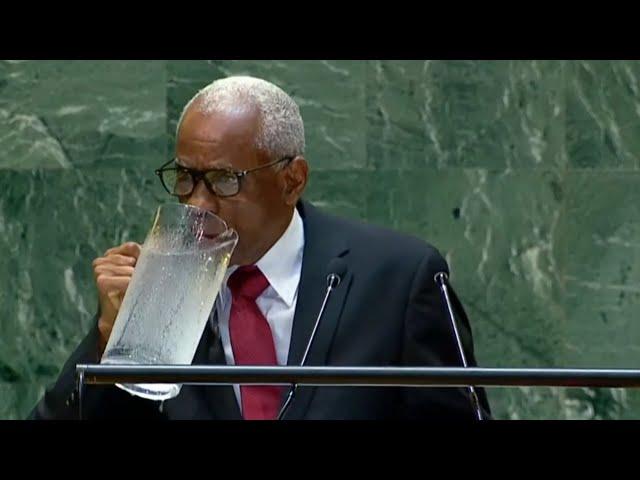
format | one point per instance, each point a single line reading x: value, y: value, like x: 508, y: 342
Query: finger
x: 108, y: 283
x: 131, y: 249
x: 115, y: 259
x: 114, y: 270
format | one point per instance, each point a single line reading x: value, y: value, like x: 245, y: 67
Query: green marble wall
x: 524, y: 173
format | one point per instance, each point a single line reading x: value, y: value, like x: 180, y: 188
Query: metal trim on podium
x: 424, y: 377
x: 360, y: 376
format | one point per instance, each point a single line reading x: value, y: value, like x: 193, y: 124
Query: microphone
x: 337, y: 268
x: 441, y: 279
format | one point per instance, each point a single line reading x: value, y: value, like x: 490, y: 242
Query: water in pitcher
x: 166, y: 307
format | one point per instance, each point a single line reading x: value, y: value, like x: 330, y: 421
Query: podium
x: 418, y: 377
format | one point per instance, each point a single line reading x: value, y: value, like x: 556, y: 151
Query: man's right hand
x: 113, y: 273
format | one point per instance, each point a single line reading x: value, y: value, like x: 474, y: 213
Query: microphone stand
x: 333, y: 280
x: 441, y: 280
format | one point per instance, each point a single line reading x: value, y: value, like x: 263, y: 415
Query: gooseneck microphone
x: 441, y: 279
x: 337, y: 268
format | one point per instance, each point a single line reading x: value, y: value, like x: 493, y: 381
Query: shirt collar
x: 282, y: 264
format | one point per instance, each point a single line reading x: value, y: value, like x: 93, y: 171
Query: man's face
x: 262, y: 209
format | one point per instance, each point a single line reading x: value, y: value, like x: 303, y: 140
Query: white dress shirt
x: 281, y: 265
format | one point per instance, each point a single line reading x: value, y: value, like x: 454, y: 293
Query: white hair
x: 281, y: 132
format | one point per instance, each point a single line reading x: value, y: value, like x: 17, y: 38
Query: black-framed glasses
x: 180, y: 181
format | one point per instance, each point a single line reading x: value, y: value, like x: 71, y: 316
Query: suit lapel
x: 206, y: 401
x: 221, y: 398
x: 321, y: 246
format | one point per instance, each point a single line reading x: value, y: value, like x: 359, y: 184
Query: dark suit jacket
x: 387, y: 311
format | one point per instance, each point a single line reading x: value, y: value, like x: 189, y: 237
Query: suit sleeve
x: 61, y: 402
x: 429, y: 341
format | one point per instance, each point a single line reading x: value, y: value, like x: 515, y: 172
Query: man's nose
x: 201, y: 197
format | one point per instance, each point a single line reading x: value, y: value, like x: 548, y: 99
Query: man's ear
x: 295, y: 180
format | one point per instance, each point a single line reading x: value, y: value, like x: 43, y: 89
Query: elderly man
x: 240, y: 154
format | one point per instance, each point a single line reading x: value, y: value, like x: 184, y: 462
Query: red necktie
x: 252, y: 341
